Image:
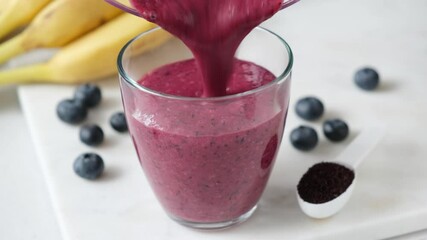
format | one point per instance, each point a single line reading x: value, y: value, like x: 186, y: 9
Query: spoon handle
x: 361, y: 146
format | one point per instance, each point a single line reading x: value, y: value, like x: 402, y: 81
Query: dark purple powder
x: 324, y: 182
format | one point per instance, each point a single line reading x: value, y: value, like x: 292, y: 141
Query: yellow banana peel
x: 18, y: 13
x: 3, y: 5
x: 59, y: 23
x: 89, y: 58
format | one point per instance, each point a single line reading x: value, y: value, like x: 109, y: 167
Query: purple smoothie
x: 207, y: 163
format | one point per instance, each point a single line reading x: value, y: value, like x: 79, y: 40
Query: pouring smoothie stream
x: 211, y: 29
x: 207, y: 129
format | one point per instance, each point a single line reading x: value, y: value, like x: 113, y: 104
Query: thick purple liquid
x: 207, y: 164
x: 212, y: 29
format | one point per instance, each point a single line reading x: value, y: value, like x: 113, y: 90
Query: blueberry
x: 118, y: 122
x: 367, y: 78
x: 89, y: 166
x: 309, y: 108
x: 88, y: 94
x: 92, y: 135
x: 71, y: 111
x: 304, y: 138
x: 335, y: 130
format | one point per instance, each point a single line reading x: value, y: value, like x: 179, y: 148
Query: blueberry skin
x: 88, y: 94
x: 118, y: 122
x: 304, y: 138
x: 309, y: 108
x: 91, y: 135
x: 367, y: 79
x: 335, y: 130
x: 71, y: 111
x: 89, y: 166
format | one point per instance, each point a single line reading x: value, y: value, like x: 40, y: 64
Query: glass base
x: 216, y: 225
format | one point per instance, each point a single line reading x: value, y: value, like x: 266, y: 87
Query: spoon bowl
x: 327, y: 209
x: 350, y: 158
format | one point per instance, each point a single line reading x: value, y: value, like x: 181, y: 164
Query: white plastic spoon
x: 350, y: 158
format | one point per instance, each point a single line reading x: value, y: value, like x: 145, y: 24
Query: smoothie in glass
x: 208, y: 165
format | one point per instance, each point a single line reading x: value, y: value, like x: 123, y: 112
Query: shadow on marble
x: 110, y: 174
x: 8, y: 98
x: 387, y: 85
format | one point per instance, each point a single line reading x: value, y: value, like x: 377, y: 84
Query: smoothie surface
x: 184, y: 78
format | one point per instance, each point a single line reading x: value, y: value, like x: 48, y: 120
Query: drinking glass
x: 207, y: 160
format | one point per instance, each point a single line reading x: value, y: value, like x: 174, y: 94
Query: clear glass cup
x: 207, y: 160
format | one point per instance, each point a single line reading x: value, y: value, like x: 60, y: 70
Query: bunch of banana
x: 91, y: 57
x: 57, y: 24
x: 90, y: 32
x: 18, y: 13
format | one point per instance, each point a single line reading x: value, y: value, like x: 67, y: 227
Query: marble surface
x: 330, y: 40
x: 25, y: 207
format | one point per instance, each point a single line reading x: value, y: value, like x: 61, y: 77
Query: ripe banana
x: 3, y: 5
x: 89, y: 58
x: 57, y: 24
x: 18, y: 13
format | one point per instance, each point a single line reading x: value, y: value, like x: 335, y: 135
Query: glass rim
x: 282, y: 77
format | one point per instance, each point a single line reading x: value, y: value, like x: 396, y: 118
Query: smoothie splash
x: 212, y: 30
